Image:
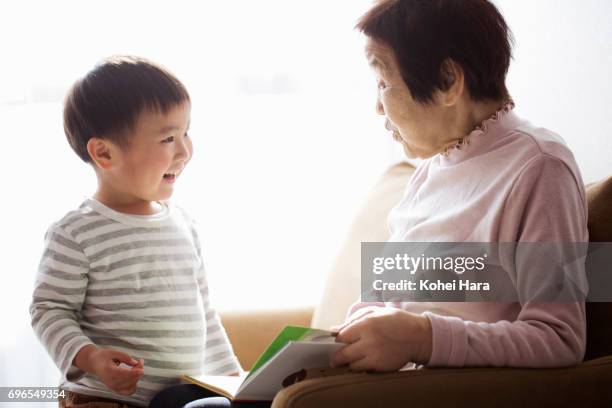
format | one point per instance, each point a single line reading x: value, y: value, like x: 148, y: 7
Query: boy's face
x: 158, y: 150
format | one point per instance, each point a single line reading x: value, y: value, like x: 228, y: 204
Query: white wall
x: 287, y: 141
x: 560, y: 76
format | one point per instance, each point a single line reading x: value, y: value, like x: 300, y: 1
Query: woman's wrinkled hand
x: 383, y: 339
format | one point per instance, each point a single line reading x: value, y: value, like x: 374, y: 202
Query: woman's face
x: 418, y: 127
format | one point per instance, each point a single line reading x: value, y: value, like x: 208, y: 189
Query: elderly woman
x: 487, y: 176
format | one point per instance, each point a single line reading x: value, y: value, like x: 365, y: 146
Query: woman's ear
x: 453, y: 82
x: 101, y: 152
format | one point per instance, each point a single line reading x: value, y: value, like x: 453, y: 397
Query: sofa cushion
x: 599, y: 314
x: 585, y: 385
x: 599, y: 196
x: 370, y: 225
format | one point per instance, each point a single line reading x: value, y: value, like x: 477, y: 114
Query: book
x: 294, y: 349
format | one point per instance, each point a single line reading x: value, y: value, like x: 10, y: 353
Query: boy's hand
x: 384, y: 340
x: 117, y: 370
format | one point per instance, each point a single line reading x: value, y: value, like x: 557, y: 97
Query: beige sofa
x: 589, y: 384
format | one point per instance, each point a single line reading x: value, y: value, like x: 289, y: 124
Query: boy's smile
x: 143, y: 172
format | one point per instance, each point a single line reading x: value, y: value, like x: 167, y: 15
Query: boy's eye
x: 168, y: 139
x: 186, y: 134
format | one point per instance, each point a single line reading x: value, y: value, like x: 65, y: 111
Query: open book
x: 294, y: 349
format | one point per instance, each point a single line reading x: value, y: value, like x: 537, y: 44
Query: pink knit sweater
x: 512, y: 182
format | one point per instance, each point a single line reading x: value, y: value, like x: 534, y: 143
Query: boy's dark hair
x: 426, y: 33
x: 107, y: 101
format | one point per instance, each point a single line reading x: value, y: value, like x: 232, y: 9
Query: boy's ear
x: 101, y: 152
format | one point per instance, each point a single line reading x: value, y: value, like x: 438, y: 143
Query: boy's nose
x: 183, y: 151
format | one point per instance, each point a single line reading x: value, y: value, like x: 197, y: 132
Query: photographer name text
x: 431, y: 285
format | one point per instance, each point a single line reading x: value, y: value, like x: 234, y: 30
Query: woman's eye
x: 381, y: 85
x: 168, y: 139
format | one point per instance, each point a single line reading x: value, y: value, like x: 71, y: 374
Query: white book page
x: 227, y: 385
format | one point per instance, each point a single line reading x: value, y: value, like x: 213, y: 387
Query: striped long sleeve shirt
x: 132, y: 283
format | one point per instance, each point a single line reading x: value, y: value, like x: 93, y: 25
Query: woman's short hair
x: 426, y: 33
x: 108, y: 100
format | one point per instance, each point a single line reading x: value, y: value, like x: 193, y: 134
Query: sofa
x: 586, y: 385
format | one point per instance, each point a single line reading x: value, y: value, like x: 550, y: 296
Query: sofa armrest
x: 250, y: 332
x: 586, y: 385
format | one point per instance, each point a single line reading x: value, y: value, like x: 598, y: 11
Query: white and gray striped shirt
x: 132, y: 283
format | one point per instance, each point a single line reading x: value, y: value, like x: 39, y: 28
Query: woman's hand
x: 107, y: 365
x: 383, y: 339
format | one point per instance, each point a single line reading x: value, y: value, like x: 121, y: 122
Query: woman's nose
x: 379, y: 107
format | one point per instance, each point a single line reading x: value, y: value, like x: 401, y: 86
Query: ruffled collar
x: 481, y: 128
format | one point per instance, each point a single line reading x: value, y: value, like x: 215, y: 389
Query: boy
x: 121, y: 299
